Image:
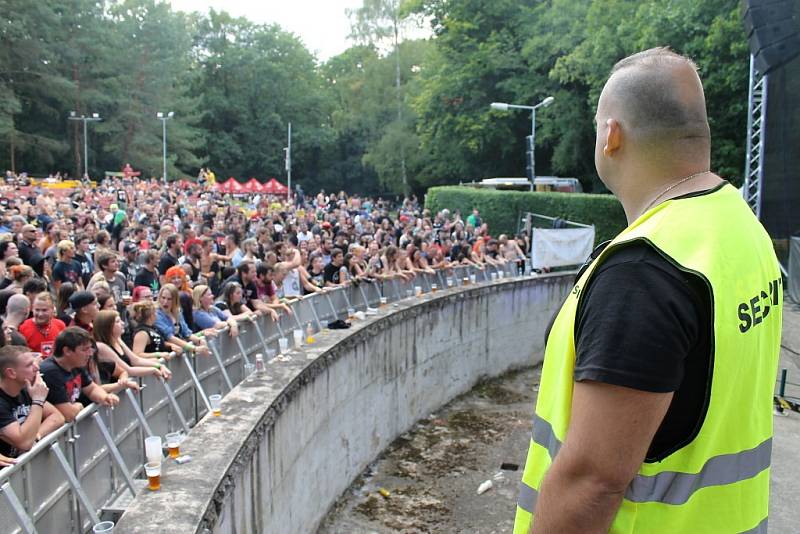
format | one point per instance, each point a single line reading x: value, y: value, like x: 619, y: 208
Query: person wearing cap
x: 84, y: 303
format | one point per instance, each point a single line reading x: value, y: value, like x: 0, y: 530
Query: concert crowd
x: 102, y: 284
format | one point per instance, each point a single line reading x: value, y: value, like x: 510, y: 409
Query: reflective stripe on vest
x: 668, y: 487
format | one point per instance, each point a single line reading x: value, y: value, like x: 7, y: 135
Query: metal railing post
x: 112, y: 447
x: 73, y: 481
x: 24, y: 520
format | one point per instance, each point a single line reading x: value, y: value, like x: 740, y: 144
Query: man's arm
x: 608, y: 437
x: 69, y: 410
x: 100, y: 396
x: 52, y: 420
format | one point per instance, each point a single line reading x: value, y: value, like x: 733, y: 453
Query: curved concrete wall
x: 292, y: 440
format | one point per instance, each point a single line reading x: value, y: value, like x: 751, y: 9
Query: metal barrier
x: 65, y: 482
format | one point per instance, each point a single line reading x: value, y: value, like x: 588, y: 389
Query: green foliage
x: 386, y: 114
x: 502, y: 210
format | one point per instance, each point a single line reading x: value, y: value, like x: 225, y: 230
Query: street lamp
x: 73, y: 116
x: 164, y: 117
x: 501, y: 106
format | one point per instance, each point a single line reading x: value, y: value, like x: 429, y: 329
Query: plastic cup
x: 473, y: 279
x: 466, y: 280
x: 249, y: 369
x: 153, y: 472
x: 434, y: 288
x: 384, y: 301
x: 501, y: 275
x: 173, y: 444
x: 417, y: 291
x: 494, y: 276
x: 450, y: 282
x: 216, y: 404
x: 351, y: 314
x: 283, y: 343
x: 298, y: 337
x: 104, y: 527
x: 152, y: 449
x: 409, y: 293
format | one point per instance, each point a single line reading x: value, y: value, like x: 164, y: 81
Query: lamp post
x: 73, y: 116
x: 288, y: 151
x: 501, y: 106
x: 164, y: 117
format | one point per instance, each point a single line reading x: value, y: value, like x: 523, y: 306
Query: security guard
x: 655, y: 406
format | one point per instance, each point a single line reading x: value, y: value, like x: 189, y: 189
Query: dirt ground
x: 432, y: 473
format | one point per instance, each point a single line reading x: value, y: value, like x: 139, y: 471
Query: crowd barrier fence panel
x: 64, y: 482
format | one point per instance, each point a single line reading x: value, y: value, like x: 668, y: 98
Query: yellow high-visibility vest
x: 719, y: 481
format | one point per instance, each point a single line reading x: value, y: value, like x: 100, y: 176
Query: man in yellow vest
x: 655, y: 405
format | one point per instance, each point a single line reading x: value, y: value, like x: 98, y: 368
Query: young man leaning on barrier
x: 25, y: 414
x: 66, y: 375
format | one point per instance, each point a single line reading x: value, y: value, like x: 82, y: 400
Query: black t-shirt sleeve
x: 57, y: 384
x: 637, y: 323
x: 7, y: 406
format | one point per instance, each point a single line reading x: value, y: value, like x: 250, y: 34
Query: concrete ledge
x: 290, y: 441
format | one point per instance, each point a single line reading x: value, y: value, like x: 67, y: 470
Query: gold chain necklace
x: 671, y: 187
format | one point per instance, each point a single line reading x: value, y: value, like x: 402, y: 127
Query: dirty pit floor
x: 432, y: 473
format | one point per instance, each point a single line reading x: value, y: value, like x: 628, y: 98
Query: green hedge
x: 502, y: 209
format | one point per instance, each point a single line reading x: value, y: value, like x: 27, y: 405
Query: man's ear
x: 613, y: 138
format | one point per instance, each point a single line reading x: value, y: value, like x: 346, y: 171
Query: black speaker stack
x: 773, y: 31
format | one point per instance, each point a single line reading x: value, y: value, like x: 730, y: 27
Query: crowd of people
x: 103, y: 284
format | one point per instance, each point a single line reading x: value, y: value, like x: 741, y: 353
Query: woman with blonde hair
x: 206, y: 315
x: 169, y: 321
x: 107, y: 330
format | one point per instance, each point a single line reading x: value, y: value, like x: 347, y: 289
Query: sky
x: 322, y: 25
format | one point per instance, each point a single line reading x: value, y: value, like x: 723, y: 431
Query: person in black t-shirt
x: 66, y: 268
x: 170, y: 257
x: 245, y: 276
x: 25, y: 414
x: 332, y: 272
x: 148, y: 275
x: 66, y: 375
x: 84, y: 258
x: 643, y: 331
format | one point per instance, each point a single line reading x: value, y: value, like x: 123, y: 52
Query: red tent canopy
x: 274, y: 187
x: 229, y: 186
x: 253, y: 186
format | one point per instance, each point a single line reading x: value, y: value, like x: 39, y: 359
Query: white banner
x: 560, y: 247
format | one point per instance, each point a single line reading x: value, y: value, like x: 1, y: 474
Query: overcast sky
x: 321, y: 24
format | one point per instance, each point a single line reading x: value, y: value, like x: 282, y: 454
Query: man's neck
x: 43, y: 325
x: 14, y: 321
x: 11, y: 387
x: 109, y: 275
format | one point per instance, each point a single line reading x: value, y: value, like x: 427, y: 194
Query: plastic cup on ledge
x: 216, y: 404
x: 297, y: 333
x: 152, y: 449
x: 384, y: 301
x: 501, y: 275
x: 153, y: 472
x: 409, y: 293
x: 473, y: 279
x: 351, y: 314
x: 450, y: 282
x: 283, y: 343
x: 174, y: 444
x: 104, y: 527
x: 417, y: 291
x: 434, y: 288
x: 494, y: 276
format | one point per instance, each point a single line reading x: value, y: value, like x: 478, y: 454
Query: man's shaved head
x: 658, y: 98
x: 652, y: 111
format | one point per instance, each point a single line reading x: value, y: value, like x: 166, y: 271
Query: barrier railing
x: 66, y: 481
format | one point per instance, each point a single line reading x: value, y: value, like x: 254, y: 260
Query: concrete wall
x: 291, y: 441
